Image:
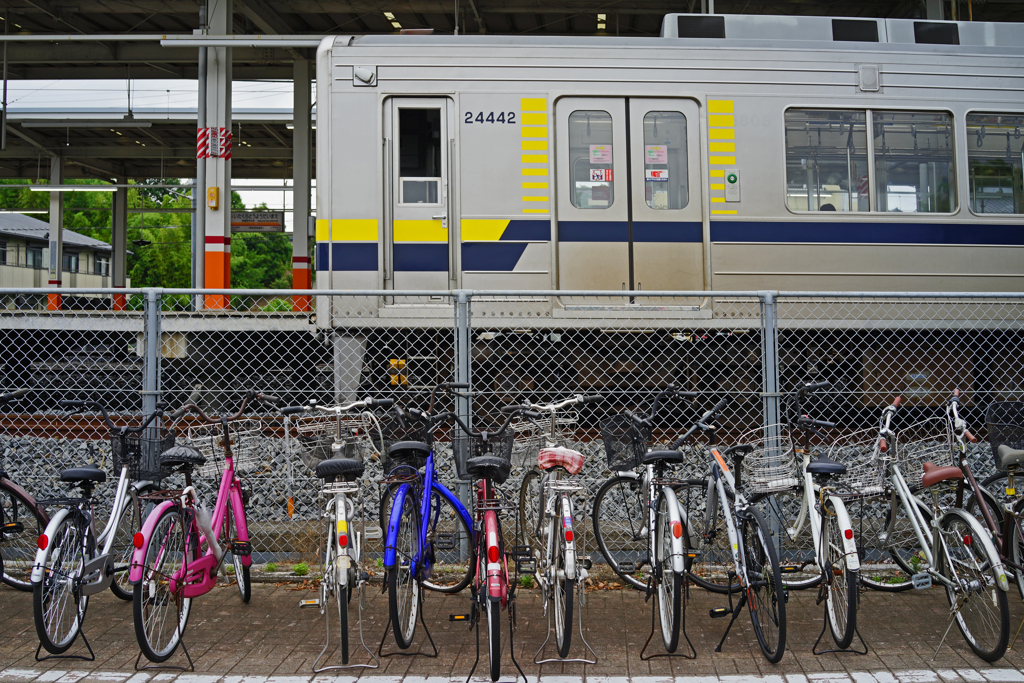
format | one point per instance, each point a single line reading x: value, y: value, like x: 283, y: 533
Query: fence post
x: 151, y: 371
x: 769, y: 358
x: 463, y: 401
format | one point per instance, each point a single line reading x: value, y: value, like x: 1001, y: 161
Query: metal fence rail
x: 130, y: 348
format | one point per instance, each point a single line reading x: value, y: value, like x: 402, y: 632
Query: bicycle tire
x: 768, y: 615
x: 781, y: 511
x: 241, y: 570
x: 562, y: 588
x: 1017, y: 550
x: 902, y: 546
x: 172, y: 544
x: 58, y: 609
x: 452, y: 570
x: 970, y: 562
x: 841, y: 602
x: 403, y: 586
x: 531, y: 504
x: 995, y: 486
x: 620, y: 503
x: 122, y: 547
x: 343, y: 598
x: 23, y: 523
x: 670, y: 584
x: 493, y: 637
x: 714, y: 556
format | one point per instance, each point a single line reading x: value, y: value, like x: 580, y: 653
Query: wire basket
x: 624, y: 442
x: 466, y: 447
x: 865, y: 465
x: 926, y: 441
x: 771, y: 466
x: 1005, y: 427
x: 390, y: 431
x: 532, y: 435
x: 141, y: 453
x: 248, y: 449
x: 315, y: 438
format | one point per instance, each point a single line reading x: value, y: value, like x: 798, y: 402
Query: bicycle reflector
x: 968, y: 539
x: 343, y: 540
x: 43, y: 541
x: 137, y: 540
x: 492, y: 553
x: 677, y: 529
x: 848, y: 533
x: 568, y: 536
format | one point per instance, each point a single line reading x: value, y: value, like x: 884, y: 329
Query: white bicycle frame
x: 809, y: 512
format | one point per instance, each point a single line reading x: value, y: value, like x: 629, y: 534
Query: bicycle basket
x: 771, y: 466
x: 315, y: 438
x: 624, y: 442
x: 532, y: 435
x: 466, y: 447
x: 1005, y: 427
x: 248, y: 449
x: 391, y: 431
x: 926, y: 441
x: 865, y: 469
x: 141, y: 453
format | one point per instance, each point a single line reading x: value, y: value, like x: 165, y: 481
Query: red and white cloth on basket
x: 571, y: 460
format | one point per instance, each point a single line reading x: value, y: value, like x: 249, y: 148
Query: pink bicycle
x: 179, y: 551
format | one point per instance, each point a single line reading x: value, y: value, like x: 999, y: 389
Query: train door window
x: 419, y: 150
x: 665, y: 181
x: 914, y: 162
x: 590, y: 159
x: 34, y: 257
x: 826, y: 160
x: 995, y: 159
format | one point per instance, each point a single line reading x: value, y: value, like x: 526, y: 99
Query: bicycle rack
x: 581, y: 590
x: 387, y: 629
x: 856, y: 629
x: 90, y: 658
x: 652, y: 585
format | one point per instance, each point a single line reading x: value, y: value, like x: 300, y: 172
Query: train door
x: 418, y: 241
x: 629, y: 211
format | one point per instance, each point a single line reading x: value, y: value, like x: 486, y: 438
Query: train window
x: 914, y: 162
x: 826, y: 160
x: 665, y: 183
x: 995, y: 159
x: 419, y: 153
x: 590, y: 159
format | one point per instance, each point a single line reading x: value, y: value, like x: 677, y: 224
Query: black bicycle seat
x: 1009, y: 456
x: 346, y: 468
x: 826, y: 466
x: 87, y: 473
x: 489, y: 467
x: 663, y: 456
x: 411, y: 453
x: 176, y: 456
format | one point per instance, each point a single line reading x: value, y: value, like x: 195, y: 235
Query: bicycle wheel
x: 982, y: 611
x: 619, y: 520
x: 531, y: 505
x: 403, y: 588
x: 452, y: 569
x: 765, y: 599
x: 241, y: 571
x: 841, y: 601
x: 128, y: 522
x: 161, y: 614
x: 562, y: 587
x: 670, y: 584
x: 795, y: 545
x: 493, y: 637
x: 902, y: 548
x: 23, y: 523
x: 1017, y: 548
x: 710, y: 570
x: 57, y: 605
x: 343, y: 593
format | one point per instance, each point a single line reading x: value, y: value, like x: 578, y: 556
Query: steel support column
x: 56, y: 234
x: 301, y: 175
x: 217, y: 234
x: 119, y: 243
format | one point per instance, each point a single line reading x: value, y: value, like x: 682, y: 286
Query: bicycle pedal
x: 523, y: 552
x: 315, y: 602
x: 526, y: 566
x: 374, y: 533
x: 921, y: 581
x: 459, y: 617
x: 445, y: 541
x: 719, y: 612
x: 627, y: 568
x: 790, y: 568
x: 13, y: 528
x: 692, y: 554
x: 241, y: 548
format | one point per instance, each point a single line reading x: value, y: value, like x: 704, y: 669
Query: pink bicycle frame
x: 496, y: 571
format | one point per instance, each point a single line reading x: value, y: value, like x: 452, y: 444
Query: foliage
x: 270, y: 567
x: 300, y: 569
x: 277, y: 306
x: 526, y: 581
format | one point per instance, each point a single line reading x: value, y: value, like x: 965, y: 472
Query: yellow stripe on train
x: 483, y: 229
x: 420, y: 231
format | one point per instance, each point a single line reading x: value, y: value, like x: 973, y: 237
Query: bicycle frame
x: 809, y: 513
x: 720, y: 476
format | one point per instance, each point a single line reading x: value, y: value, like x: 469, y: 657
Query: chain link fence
x: 128, y: 348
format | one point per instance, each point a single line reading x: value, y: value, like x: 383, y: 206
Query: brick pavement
x: 273, y: 637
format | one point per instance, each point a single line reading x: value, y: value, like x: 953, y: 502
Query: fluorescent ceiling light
x: 600, y: 27
x: 73, y: 188
x: 396, y: 24
x: 87, y: 124
x: 26, y: 210
x: 389, y: 16
x: 601, y: 17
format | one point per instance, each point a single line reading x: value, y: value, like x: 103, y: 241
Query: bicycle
x: 546, y: 515
x: 22, y: 521
x: 644, y: 510
x: 334, y: 452
x: 73, y: 562
x: 169, y: 566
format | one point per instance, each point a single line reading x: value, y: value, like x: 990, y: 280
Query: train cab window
x: 590, y: 159
x: 665, y: 182
x: 419, y: 151
x: 914, y: 162
x: 995, y: 158
x: 826, y: 160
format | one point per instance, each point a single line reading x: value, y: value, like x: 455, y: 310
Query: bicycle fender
x: 459, y: 507
x: 139, y: 554
x: 238, y: 517
x: 394, y: 519
x: 986, y: 540
x: 51, y: 528
x: 849, y: 542
x: 678, y: 551
x: 570, y: 546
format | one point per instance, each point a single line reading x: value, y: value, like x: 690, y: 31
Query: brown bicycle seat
x: 933, y: 474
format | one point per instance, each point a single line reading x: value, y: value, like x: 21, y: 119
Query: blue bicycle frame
x: 422, y: 561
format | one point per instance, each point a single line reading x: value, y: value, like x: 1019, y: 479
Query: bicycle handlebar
x: 805, y: 420
x: 812, y: 387
x: 249, y: 396
x: 80, y: 406
x: 365, y: 403
x: 12, y: 395
x: 553, y: 407
x: 700, y: 424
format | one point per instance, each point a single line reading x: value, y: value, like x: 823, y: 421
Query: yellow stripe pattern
x: 483, y: 229
x: 420, y: 231
x: 721, y: 148
x: 533, y: 120
x: 346, y: 230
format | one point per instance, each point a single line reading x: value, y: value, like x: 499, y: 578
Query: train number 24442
x: 490, y: 117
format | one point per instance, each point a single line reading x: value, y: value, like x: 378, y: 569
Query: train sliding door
x: 629, y: 210
x: 418, y: 241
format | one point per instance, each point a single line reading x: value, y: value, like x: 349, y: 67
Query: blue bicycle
x: 430, y: 541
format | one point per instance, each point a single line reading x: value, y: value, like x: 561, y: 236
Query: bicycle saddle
x: 88, y: 473
x: 1009, y: 456
x: 181, y: 455
x: 566, y: 458
x: 346, y: 468
x: 826, y: 466
x: 663, y: 456
x: 489, y: 467
x: 933, y: 474
x: 412, y: 453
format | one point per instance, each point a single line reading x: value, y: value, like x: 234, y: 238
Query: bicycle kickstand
x: 719, y: 612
